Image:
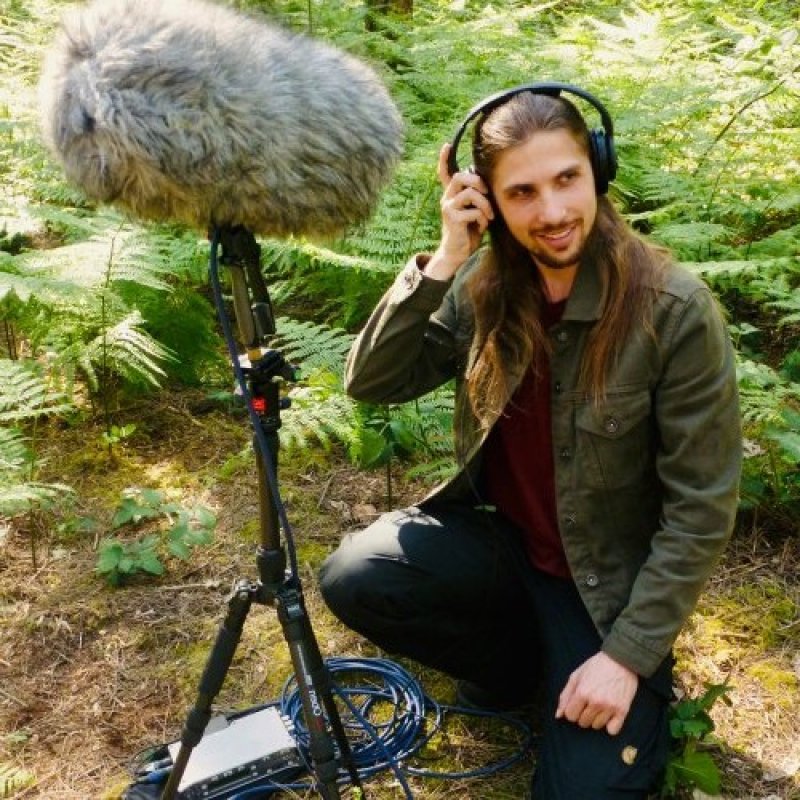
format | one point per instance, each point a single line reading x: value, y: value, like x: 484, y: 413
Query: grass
x: 90, y: 675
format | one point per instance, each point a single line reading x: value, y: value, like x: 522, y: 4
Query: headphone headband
x: 553, y: 90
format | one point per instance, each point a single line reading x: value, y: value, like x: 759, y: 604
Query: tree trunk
x: 379, y: 8
x: 404, y: 7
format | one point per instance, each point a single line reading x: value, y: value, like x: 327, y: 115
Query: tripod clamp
x: 258, y: 374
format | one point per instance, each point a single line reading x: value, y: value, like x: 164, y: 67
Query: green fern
x: 313, y: 347
x: 320, y: 414
x: 78, y: 301
x: 306, y: 280
x: 25, y: 393
x: 764, y: 393
x: 134, y: 356
x: 320, y: 411
x: 19, y: 493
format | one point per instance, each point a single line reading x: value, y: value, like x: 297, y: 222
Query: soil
x: 90, y: 675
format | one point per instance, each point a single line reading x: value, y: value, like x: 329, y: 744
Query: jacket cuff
x: 625, y: 647
x: 416, y: 290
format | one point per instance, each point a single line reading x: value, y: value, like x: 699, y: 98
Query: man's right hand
x: 466, y: 213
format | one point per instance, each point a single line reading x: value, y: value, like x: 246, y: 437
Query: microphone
x: 188, y: 111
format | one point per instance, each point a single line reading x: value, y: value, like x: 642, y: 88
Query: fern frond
x: 436, y: 471
x: 339, y: 287
x: 14, y: 455
x: 313, y: 347
x: 112, y: 256
x: 18, y: 493
x: 764, y: 394
x: 22, y: 497
x: 26, y: 393
x: 131, y: 352
x: 320, y: 413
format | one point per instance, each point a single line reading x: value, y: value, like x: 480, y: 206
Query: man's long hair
x: 506, y: 289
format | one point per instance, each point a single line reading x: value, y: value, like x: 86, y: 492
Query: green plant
x: 771, y: 476
x: 14, y: 779
x: 690, y: 766
x: 418, y: 430
x: 182, y: 530
x: 320, y: 412
x: 27, y: 394
x: 120, y: 560
x: 117, y: 434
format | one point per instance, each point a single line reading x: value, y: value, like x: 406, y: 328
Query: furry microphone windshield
x: 184, y: 110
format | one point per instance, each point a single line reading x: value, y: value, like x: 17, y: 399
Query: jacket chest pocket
x: 615, y: 440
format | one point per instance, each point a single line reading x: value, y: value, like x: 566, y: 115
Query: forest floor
x: 90, y: 675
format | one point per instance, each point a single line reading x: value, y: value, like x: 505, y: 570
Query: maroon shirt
x: 519, y: 478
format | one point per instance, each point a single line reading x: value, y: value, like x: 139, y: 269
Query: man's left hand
x: 598, y: 694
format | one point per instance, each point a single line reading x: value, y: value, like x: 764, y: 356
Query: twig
x: 733, y: 119
x: 182, y: 586
x: 326, y: 487
x: 10, y: 696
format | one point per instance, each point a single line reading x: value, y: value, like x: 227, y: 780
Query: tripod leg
x: 217, y: 666
x: 314, y: 687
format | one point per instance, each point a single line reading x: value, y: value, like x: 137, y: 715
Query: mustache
x: 549, y: 229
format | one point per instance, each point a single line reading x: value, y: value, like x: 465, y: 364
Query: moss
x: 184, y: 665
x: 765, y: 609
x: 237, y: 463
x: 781, y: 684
x: 117, y: 788
x: 251, y: 531
x: 752, y: 617
x: 313, y: 553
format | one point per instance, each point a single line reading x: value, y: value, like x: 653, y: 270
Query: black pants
x: 450, y: 587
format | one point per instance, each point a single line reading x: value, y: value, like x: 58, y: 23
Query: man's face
x: 544, y: 188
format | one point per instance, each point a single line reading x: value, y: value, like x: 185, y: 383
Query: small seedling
x: 179, y: 532
x: 690, y: 767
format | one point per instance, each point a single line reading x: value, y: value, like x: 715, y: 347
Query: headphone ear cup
x: 604, y: 159
x: 598, y: 157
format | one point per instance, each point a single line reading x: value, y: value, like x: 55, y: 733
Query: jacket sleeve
x: 698, y: 464
x: 407, y: 347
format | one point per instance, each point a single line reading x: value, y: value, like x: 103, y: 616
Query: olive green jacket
x: 646, y: 480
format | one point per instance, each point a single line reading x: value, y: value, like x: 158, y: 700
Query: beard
x: 553, y: 261
x: 553, y: 257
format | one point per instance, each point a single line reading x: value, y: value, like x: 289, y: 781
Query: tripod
x: 258, y: 374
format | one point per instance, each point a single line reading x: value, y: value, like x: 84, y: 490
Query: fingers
x: 567, y: 696
x: 465, y: 178
x: 466, y: 213
x: 464, y: 194
x: 615, y: 724
x: 443, y: 171
x: 598, y: 694
x: 576, y: 706
x: 592, y: 715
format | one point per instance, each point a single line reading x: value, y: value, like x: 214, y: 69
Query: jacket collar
x: 585, y: 299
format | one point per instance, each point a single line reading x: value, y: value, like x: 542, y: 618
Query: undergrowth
x: 98, y: 312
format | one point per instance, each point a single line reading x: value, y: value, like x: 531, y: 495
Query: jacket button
x: 570, y: 520
x: 565, y: 452
x: 557, y: 387
x: 611, y: 425
x: 562, y: 336
x: 592, y: 580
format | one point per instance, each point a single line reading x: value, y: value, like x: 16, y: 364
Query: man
x: 598, y: 442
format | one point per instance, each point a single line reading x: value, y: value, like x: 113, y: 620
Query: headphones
x: 602, y: 154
